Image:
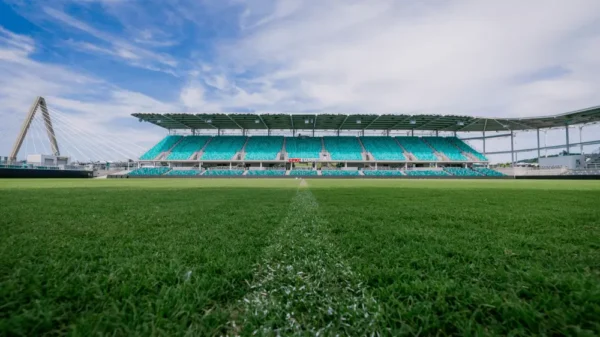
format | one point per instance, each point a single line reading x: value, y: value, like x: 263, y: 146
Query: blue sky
x: 98, y: 61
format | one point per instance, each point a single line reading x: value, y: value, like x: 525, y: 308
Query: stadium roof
x: 325, y: 121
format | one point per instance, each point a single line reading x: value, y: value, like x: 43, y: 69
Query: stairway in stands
x: 198, y: 154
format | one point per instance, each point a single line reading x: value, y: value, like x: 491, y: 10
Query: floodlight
x: 306, y: 121
x: 209, y: 121
x: 256, y: 121
x: 358, y: 121
x: 460, y: 123
x: 412, y: 121
x: 159, y: 121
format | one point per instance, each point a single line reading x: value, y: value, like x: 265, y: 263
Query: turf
x: 225, y: 257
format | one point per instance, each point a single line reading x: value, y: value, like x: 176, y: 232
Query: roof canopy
x: 309, y: 121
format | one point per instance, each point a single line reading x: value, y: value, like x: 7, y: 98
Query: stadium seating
x: 303, y: 173
x: 461, y: 172
x: 343, y: 148
x: 418, y: 148
x: 383, y: 148
x: 489, y: 172
x: 266, y: 173
x: 263, y: 148
x: 164, y: 145
x: 150, y: 171
x: 382, y: 173
x: 303, y: 147
x: 339, y: 173
x: 187, y: 147
x: 426, y: 173
x: 183, y: 173
x: 466, y: 148
x: 219, y: 172
x: 442, y: 145
x: 223, y: 147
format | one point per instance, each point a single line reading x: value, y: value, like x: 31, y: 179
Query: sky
x: 98, y: 61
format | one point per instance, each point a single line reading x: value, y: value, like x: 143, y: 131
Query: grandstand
x: 237, y: 144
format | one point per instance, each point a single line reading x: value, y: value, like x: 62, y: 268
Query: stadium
x: 278, y: 145
x: 360, y: 226
x: 299, y: 168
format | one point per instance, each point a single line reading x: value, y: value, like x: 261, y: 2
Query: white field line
x: 302, y: 286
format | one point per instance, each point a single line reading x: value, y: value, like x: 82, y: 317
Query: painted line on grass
x: 303, y: 286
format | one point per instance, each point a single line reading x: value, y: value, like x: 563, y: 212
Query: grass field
x: 291, y: 257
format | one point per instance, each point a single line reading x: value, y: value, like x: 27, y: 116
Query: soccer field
x: 299, y: 257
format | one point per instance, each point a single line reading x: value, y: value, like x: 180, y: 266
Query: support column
x: 437, y: 133
x: 538, y: 143
x: 218, y: 132
x: 313, y: 132
x: 338, y: 132
x: 512, y: 147
x: 567, y: 136
x: 454, y: 133
x: 581, y: 139
x: 261, y: 164
x: 412, y: 132
x: 484, y: 144
x: 230, y: 166
x: 268, y: 132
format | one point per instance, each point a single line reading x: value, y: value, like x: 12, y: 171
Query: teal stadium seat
x: 343, y: 148
x: 466, y: 148
x: 183, y: 173
x: 340, y: 173
x: 265, y: 173
x: 164, y: 145
x: 382, y: 173
x: 149, y: 171
x: 303, y: 147
x: 383, y: 148
x: 303, y: 173
x: 187, y: 147
x: 223, y: 147
x: 461, y: 172
x: 443, y: 145
x: 418, y: 148
x: 426, y: 173
x: 263, y: 147
x: 224, y: 172
x: 489, y: 172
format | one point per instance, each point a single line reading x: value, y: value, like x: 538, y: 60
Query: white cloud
x: 92, y: 115
x: 115, y: 46
x: 458, y: 57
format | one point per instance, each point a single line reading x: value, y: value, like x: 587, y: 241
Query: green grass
x: 226, y: 256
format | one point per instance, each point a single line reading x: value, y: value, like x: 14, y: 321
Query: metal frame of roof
x: 358, y: 122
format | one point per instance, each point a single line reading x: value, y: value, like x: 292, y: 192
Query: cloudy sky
x: 98, y: 61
